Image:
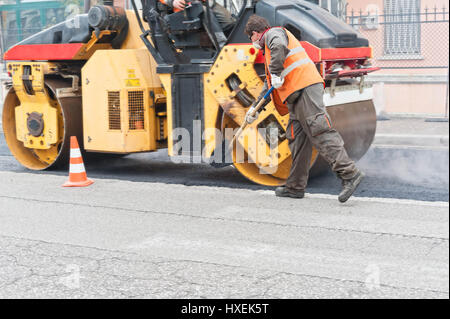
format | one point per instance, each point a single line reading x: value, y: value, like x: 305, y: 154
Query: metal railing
x: 406, y: 38
x: 409, y: 39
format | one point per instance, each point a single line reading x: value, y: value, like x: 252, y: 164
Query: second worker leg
x: 310, y: 112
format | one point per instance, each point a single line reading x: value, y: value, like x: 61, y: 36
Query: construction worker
x: 223, y: 16
x: 299, y: 85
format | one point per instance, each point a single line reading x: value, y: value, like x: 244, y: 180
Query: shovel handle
x: 268, y: 93
x: 256, y: 110
x: 260, y: 104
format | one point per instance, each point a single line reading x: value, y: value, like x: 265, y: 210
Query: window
x: 22, y: 19
x: 402, y: 31
x: 335, y: 7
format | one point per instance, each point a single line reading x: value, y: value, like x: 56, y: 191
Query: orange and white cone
x: 77, y: 172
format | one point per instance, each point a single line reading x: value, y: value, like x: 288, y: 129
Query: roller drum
x: 70, y: 122
x: 355, y: 122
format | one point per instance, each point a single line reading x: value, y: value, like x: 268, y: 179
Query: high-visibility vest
x: 299, y: 71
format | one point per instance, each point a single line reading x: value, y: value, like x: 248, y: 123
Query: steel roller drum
x: 355, y: 122
x: 69, y: 122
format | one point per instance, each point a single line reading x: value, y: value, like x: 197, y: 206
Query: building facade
x: 410, y: 39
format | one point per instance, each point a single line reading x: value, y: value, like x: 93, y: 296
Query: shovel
x: 256, y: 110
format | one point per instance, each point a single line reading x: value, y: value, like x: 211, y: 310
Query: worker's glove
x: 277, y: 81
x: 248, y: 117
x: 179, y: 4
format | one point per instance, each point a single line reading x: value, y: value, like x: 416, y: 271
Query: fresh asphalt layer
x: 392, y: 172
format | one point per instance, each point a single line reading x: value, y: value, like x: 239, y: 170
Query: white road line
x: 206, y: 189
x: 410, y: 147
x: 373, y: 200
x: 414, y: 136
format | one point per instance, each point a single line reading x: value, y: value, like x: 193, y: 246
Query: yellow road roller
x: 140, y: 80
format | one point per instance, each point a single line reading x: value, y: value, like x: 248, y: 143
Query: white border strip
x: 373, y: 200
x: 400, y: 147
x: 414, y: 136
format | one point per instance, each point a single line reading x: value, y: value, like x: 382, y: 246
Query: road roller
x: 145, y: 79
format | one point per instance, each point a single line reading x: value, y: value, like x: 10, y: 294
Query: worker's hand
x: 277, y: 81
x: 179, y: 4
x: 249, y: 118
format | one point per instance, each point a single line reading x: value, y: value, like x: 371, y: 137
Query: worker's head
x: 255, y: 28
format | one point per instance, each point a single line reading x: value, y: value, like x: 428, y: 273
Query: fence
x: 404, y: 38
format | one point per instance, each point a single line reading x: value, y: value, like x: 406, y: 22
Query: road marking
x: 373, y: 200
x: 411, y: 147
x: 412, y: 139
x: 415, y: 136
x: 213, y: 189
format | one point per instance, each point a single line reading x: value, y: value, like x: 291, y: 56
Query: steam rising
x: 426, y: 168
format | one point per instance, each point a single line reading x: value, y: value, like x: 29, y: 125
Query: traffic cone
x: 77, y: 172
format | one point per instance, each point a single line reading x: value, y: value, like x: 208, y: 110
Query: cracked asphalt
x: 49, y: 270
x: 122, y: 239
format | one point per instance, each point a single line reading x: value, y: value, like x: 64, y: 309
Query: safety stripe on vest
x: 295, y: 51
x: 295, y: 65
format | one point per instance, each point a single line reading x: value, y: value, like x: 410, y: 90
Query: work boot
x: 349, y: 186
x: 286, y: 192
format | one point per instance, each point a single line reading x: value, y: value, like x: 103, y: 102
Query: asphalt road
x: 402, y: 173
x: 149, y: 228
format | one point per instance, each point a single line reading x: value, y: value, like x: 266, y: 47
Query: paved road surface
x: 136, y: 239
x: 153, y: 229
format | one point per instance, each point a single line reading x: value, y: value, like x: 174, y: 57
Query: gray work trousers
x: 224, y: 17
x: 222, y: 23
x: 310, y: 125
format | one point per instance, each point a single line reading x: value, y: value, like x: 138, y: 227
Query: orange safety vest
x: 299, y: 72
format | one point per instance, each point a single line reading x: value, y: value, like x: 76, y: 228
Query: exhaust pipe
x: 87, y: 5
